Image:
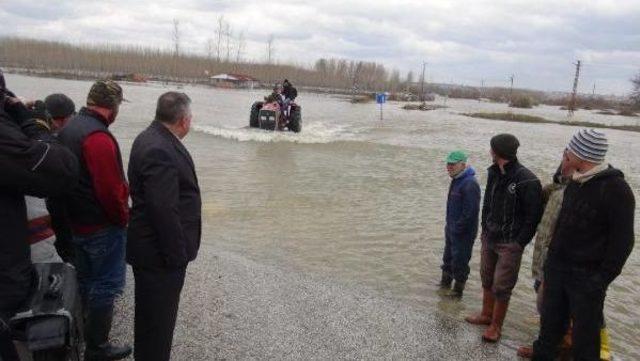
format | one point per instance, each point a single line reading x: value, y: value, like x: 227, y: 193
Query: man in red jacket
x: 98, y: 212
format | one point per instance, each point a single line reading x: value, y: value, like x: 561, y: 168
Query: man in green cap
x: 463, y: 206
x: 98, y: 213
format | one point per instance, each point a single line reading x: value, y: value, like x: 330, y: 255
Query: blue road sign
x: 381, y: 98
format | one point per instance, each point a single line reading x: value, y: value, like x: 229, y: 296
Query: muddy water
x: 360, y: 199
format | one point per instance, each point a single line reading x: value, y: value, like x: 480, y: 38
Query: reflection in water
x: 361, y: 201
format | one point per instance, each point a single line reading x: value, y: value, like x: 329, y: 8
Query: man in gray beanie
x: 511, y: 211
x: 593, y: 239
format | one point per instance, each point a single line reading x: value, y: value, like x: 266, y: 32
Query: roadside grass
x: 523, y: 118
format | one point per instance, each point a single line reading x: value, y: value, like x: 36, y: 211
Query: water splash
x: 314, y: 133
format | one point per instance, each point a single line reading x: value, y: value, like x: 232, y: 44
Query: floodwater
x: 362, y: 200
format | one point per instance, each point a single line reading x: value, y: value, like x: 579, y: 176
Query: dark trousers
x: 571, y: 295
x: 456, y: 256
x: 157, y: 292
x: 499, y: 267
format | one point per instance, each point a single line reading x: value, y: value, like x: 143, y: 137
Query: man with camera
x: 33, y: 163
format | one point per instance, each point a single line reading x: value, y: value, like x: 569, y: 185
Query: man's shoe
x: 107, y: 352
x: 494, y: 331
x: 525, y: 351
x: 97, y: 330
x: 605, y: 351
x: 485, y: 316
x: 457, y: 290
x: 445, y: 281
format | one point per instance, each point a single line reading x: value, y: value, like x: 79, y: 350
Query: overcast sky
x: 462, y: 41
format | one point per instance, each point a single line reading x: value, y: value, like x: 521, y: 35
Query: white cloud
x: 463, y: 41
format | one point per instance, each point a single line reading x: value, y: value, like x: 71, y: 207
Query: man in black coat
x: 593, y: 239
x: 32, y: 163
x: 289, y: 91
x: 165, y: 226
x: 511, y: 211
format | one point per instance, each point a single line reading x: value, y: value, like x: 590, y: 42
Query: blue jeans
x: 100, y: 262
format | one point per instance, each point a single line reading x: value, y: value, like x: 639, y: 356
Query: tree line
x: 224, y: 56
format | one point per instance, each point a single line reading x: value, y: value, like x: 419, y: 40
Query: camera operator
x: 32, y: 163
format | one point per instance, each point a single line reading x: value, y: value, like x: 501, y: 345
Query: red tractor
x: 274, y: 116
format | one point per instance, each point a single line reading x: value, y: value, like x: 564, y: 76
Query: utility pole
x: 424, y: 66
x: 594, y: 89
x: 482, y: 88
x: 511, y: 89
x: 572, y: 103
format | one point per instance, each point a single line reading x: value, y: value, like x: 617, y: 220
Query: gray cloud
x: 463, y: 41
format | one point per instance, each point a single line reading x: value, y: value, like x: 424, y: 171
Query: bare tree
x: 176, y: 37
x: 270, y: 48
x: 394, y: 80
x: 409, y: 80
x: 354, y: 71
x: 240, y: 45
x: 209, y: 48
x: 220, y: 35
x: 228, y: 36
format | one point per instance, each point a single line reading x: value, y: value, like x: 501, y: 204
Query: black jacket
x: 290, y: 92
x: 512, y: 204
x: 165, y: 225
x: 34, y: 165
x: 595, y: 228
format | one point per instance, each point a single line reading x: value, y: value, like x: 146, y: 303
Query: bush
x: 627, y: 112
x: 522, y: 101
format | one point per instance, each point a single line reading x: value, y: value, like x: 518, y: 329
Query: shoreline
x: 523, y: 118
x: 234, y: 308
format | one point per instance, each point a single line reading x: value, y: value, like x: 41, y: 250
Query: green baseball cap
x: 457, y: 156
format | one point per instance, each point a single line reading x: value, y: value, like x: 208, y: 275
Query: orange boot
x: 484, y: 317
x: 494, y: 331
x: 525, y: 351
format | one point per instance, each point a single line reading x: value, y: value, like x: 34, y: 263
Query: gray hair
x: 172, y: 106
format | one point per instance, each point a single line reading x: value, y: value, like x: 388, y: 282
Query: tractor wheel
x: 295, y: 121
x: 253, y: 118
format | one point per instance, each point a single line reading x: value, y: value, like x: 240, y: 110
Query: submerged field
x: 360, y: 202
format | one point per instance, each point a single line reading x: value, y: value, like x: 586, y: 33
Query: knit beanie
x: 589, y: 145
x: 505, y: 146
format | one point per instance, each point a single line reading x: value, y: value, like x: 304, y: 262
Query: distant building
x: 133, y: 77
x: 234, y: 81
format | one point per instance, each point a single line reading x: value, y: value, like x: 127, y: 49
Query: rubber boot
x: 445, y: 281
x: 484, y: 317
x: 494, y: 331
x: 525, y: 351
x: 458, y: 289
x: 97, y: 330
x: 605, y: 351
x: 564, y: 350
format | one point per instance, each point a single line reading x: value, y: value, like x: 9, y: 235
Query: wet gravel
x: 234, y: 308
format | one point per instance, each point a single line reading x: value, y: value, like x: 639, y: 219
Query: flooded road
x: 361, y: 200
